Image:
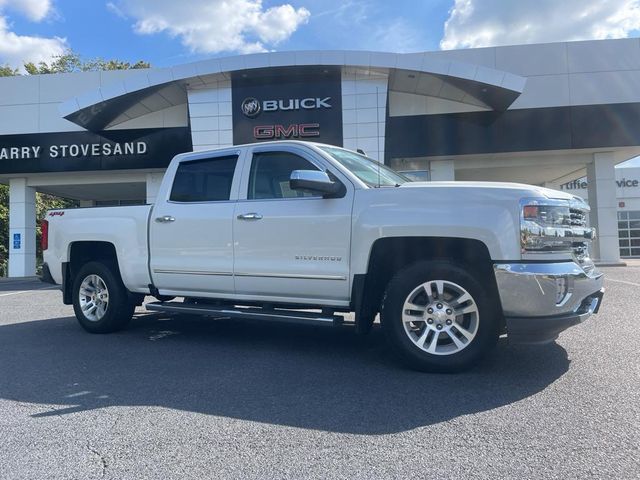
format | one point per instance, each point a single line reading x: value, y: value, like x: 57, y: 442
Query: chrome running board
x: 255, y: 313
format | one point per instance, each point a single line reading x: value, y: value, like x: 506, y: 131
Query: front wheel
x: 100, y: 299
x: 438, y: 317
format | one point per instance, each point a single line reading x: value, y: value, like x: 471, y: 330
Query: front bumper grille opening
x: 580, y: 250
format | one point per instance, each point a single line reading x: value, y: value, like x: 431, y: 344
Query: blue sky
x: 167, y: 32
x: 94, y: 29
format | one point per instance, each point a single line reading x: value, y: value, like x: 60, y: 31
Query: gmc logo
x: 302, y: 130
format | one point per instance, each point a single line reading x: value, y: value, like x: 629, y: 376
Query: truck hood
x: 519, y: 189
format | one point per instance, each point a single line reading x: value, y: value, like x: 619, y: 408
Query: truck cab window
x: 270, y: 173
x: 207, y: 180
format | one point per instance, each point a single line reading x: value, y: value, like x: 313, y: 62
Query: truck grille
x: 577, y: 217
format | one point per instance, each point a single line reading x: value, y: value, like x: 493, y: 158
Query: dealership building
x: 561, y: 115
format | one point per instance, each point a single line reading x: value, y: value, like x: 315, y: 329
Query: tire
x: 164, y: 298
x: 111, y: 313
x: 448, y: 331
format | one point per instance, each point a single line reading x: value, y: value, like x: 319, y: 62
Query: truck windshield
x: 372, y: 173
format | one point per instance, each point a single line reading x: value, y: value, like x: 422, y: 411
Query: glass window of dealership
x: 542, y: 114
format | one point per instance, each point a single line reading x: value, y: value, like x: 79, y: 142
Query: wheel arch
x: 84, y: 251
x: 390, y: 254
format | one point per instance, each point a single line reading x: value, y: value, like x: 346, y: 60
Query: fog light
x: 562, y: 287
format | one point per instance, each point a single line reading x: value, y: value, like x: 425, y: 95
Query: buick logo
x: 250, y: 107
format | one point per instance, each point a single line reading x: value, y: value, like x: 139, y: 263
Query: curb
x: 18, y: 279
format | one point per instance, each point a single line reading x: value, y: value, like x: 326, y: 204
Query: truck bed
x: 125, y: 227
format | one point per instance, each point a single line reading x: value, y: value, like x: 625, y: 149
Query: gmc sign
x: 303, y: 130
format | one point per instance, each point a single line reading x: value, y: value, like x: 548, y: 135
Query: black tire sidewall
x: 404, y: 282
x: 119, y: 309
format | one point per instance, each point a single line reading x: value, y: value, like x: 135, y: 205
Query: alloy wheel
x: 94, y: 297
x: 440, y: 317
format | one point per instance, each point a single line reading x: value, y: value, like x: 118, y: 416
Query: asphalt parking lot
x: 199, y: 398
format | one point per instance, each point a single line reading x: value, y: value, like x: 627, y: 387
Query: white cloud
x: 212, y: 26
x: 16, y: 49
x: 482, y: 23
x: 35, y: 10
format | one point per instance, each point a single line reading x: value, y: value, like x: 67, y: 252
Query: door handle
x: 165, y: 219
x: 250, y: 216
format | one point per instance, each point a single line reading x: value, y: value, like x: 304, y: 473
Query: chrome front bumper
x: 539, y: 300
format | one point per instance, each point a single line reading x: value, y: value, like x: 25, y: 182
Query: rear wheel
x: 438, y: 317
x: 100, y: 299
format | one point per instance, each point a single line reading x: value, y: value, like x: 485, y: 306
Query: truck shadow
x: 300, y: 376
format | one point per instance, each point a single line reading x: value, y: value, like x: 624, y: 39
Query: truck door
x: 290, y: 244
x: 191, y: 238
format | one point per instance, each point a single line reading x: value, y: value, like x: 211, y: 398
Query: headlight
x: 547, y: 215
x: 545, y: 226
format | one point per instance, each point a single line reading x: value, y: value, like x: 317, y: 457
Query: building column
x: 22, y: 228
x: 364, y: 111
x: 601, y: 183
x: 442, y: 170
x: 210, y: 115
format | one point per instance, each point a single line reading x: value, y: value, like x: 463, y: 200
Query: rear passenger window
x: 206, y: 180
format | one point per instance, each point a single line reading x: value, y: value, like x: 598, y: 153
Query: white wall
x: 364, y: 108
x: 211, y: 116
x: 564, y: 73
x: 29, y: 104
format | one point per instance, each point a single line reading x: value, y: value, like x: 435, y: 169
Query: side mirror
x: 313, y: 181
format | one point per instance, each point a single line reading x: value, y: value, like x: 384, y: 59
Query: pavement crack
x: 103, y: 461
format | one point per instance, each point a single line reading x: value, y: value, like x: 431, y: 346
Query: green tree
x: 71, y: 61
x: 7, y: 71
x: 4, y: 229
x: 65, y: 63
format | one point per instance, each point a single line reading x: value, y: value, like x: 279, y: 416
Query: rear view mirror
x: 313, y: 181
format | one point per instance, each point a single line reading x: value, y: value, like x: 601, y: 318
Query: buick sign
x: 296, y: 104
x: 250, y: 107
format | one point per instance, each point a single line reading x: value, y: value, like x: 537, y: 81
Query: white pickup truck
x: 306, y: 232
